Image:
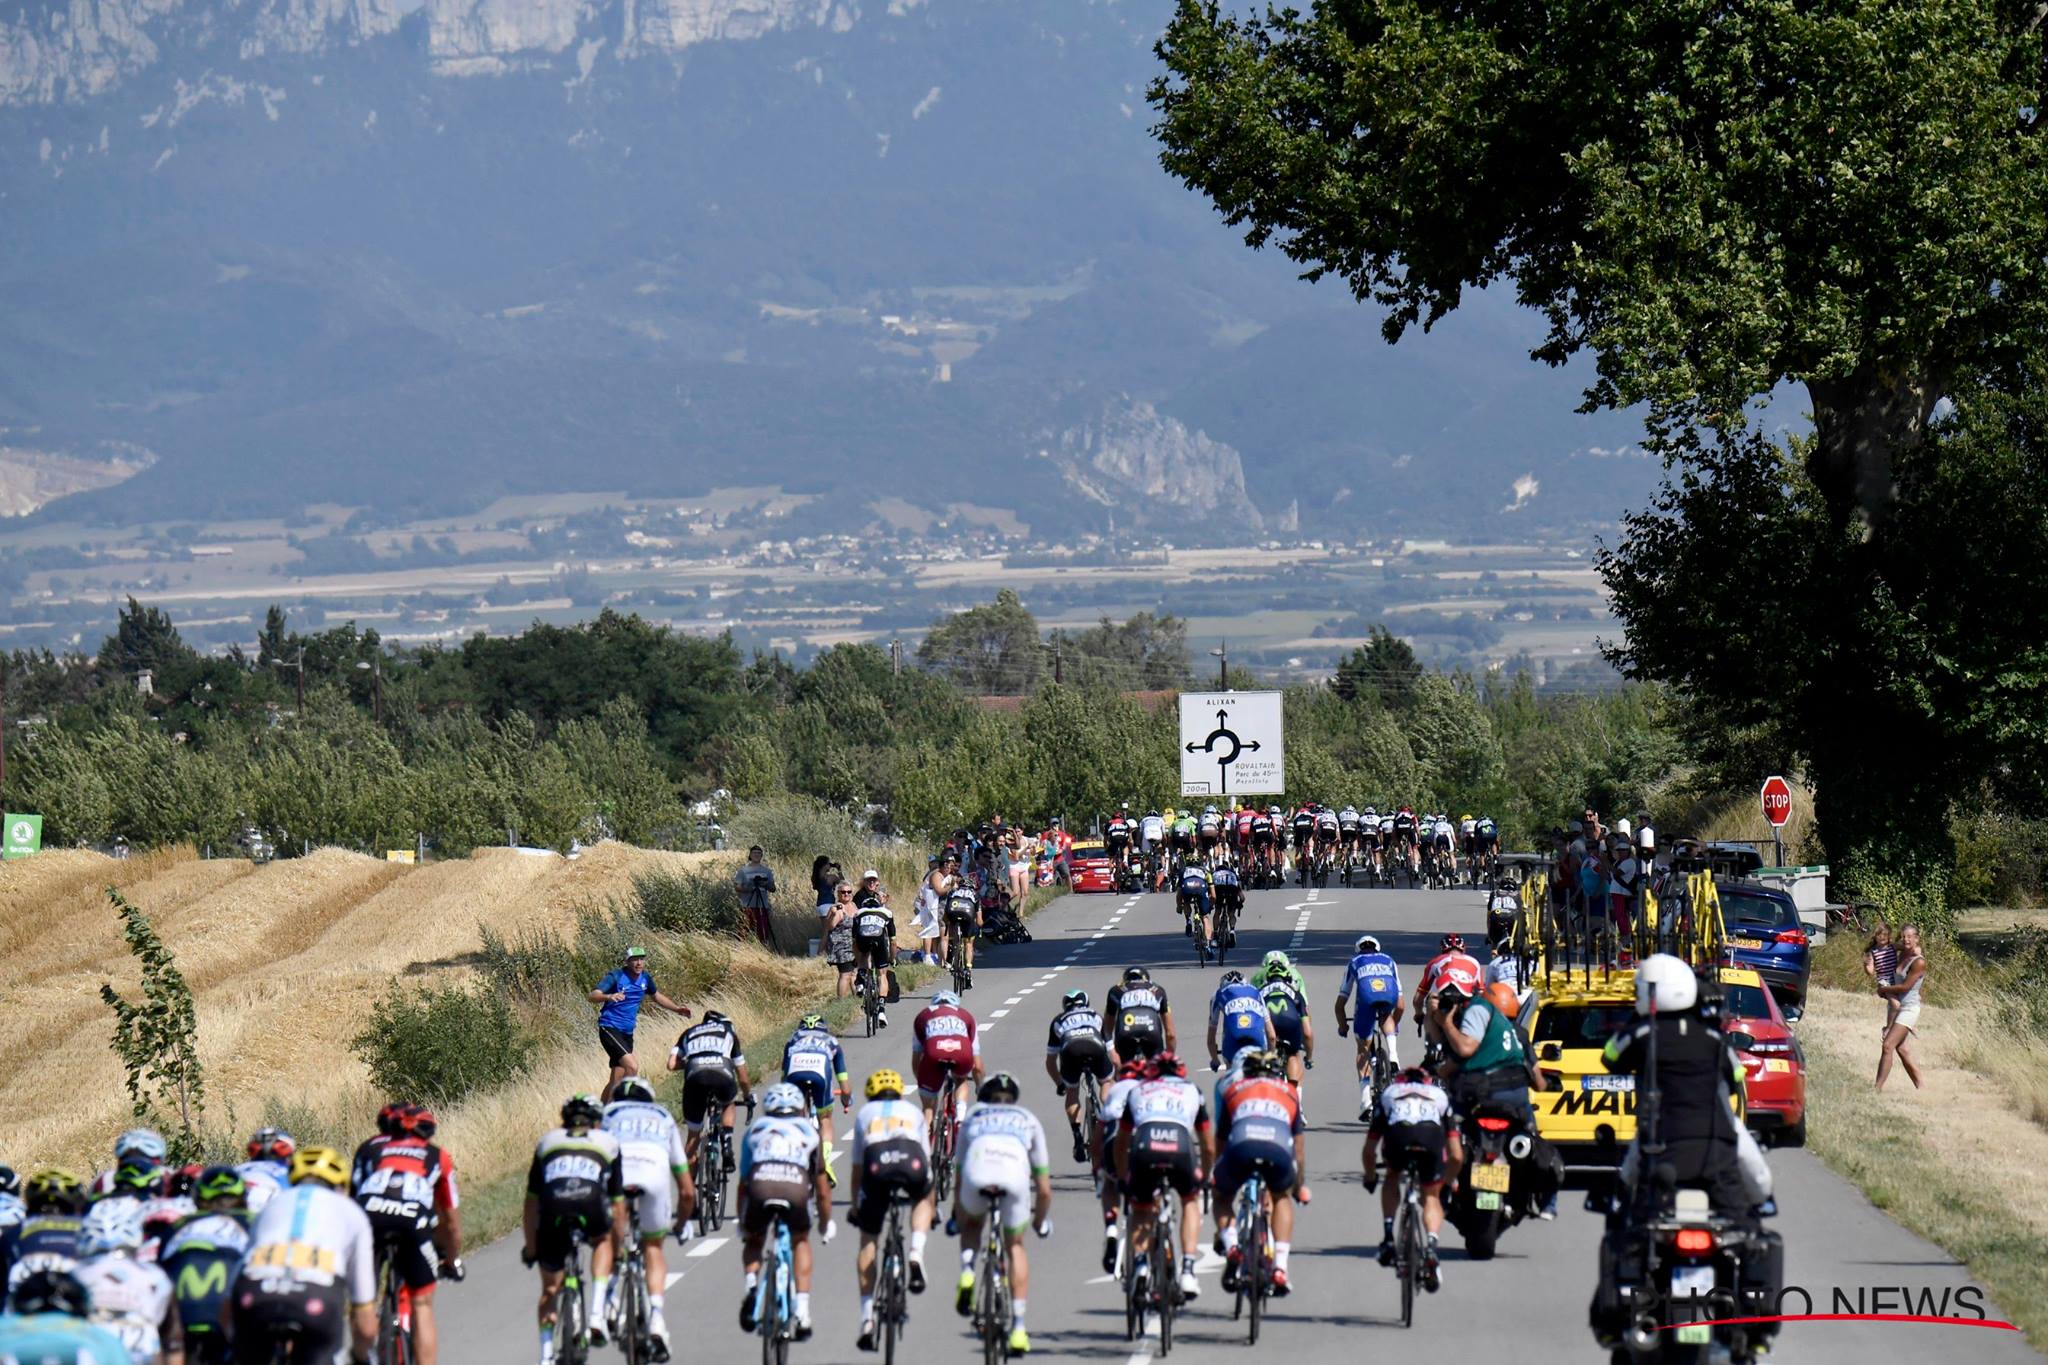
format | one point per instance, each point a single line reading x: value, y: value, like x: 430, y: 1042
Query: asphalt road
x: 1528, y: 1304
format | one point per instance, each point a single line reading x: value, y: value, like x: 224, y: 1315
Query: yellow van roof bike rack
x: 1575, y: 941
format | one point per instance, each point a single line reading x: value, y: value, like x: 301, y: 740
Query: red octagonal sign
x: 1777, y: 796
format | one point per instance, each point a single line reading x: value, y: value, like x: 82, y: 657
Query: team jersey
x: 946, y: 1033
x: 1185, y: 826
x: 1006, y: 1125
x: 1285, y: 1003
x: 1326, y: 821
x: 1243, y: 1024
x: 1224, y: 875
x: 1404, y: 823
x: 1372, y: 981
x: 1486, y: 829
x: 1257, y: 1110
x: 1468, y: 828
x: 1172, y: 1100
x: 1261, y: 824
x: 780, y: 1148
x: 1347, y: 819
x: 1117, y: 828
x: 814, y: 1052
x: 200, y: 1256
x: 1305, y: 819
x: 1442, y: 830
x: 1405, y: 1102
x: 879, y: 1121
x: 12, y: 1211
x: 1194, y: 879
x: 406, y: 1176
x: 129, y: 1299
x: 1069, y: 1024
x: 1386, y: 826
x: 40, y: 1241
x: 1152, y: 829
x: 576, y: 1168
x: 1210, y: 823
x: 1227, y: 997
x: 1244, y: 822
x: 707, y: 1047
x: 1452, y: 969
x: 57, y: 1339
x: 650, y: 1143
x: 1140, y: 995
x: 263, y: 1179
x: 310, y: 1234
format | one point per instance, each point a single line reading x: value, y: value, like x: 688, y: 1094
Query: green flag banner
x: 24, y: 836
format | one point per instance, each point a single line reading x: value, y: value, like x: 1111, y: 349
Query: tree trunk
x: 1863, y: 422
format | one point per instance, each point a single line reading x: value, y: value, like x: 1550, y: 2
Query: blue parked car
x: 1766, y: 935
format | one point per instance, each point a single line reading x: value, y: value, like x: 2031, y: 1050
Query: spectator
x: 756, y: 884
x: 1908, y: 976
x: 931, y: 898
x: 836, y: 917
x: 1881, y: 964
x: 1020, y: 865
x: 824, y: 876
x: 1624, y: 881
x: 619, y: 996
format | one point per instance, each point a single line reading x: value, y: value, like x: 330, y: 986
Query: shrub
x: 689, y: 902
x: 795, y: 829
x: 442, y: 1043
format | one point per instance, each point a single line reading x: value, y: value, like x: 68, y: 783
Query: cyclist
x: 1443, y: 840
x: 1412, y: 1125
x: 1405, y: 838
x: 1160, y: 1122
x: 1389, y: 849
x: 620, y: 994
x: 962, y: 918
x: 1304, y: 824
x: 1229, y: 895
x: 814, y: 1063
x: 310, y: 1269
x: 1194, y: 901
x: 12, y: 1210
x: 130, y: 1298
x: 1259, y: 1127
x: 780, y: 1165
x: 1328, y: 830
x: 1452, y: 965
x: 268, y: 1168
x: 1152, y: 832
x: 874, y: 940
x: 1485, y: 842
x: 1241, y: 821
x: 1184, y: 836
x: 575, y: 1192
x: 1116, y: 838
x: 163, y: 1212
x: 46, y: 1238
x: 1375, y: 982
x: 1262, y: 839
x: 1237, y: 1020
x: 1140, y: 1016
x: 47, y: 1321
x: 1002, y: 1153
x: 1129, y: 1071
x: 1347, y: 833
x: 1074, y: 1047
x: 889, y: 1154
x: 945, y: 1052
x: 406, y: 1185
x: 652, y: 1161
x: 1208, y: 831
x: 714, y: 1075
x: 135, y: 1185
x: 1294, y: 1036
x: 200, y: 1256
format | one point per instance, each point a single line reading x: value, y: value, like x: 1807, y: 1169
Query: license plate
x: 1491, y: 1175
x: 1695, y: 1334
x: 1777, y: 1064
x: 1607, y: 1082
x: 1688, y: 1281
x: 1485, y: 1200
x: 1749, y: 943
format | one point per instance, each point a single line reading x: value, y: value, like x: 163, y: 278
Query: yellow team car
x: 1588, y: 1114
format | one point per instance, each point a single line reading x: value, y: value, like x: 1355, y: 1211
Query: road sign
x: 1231, y: 745
x: 1777, y: 798
x: 24, y: 836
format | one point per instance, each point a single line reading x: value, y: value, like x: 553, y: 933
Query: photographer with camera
x: 756, y: 884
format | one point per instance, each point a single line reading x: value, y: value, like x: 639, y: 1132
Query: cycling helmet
x: 54, y: 1191
x: 582, y: 1111
x: 1502, y: 997
x: 1233, y: 977
x: 1677, y: 988
x: 1276, y: 961
x: 1367, y: 944
x: 387, y: 1118
x: 1131, y: 1069
x: 633, y: 1089
x: 1001, y: 1088
x: 322, y: 1164
x: 145, y: 1143
x: 784, y: 1100
x: 10, y: 1183
x: 1152, y: 814
x: 50, y: 1291
x: 418, y: 1121
x: 1134, y: 975
x: 113, y: 1225
x: 271, y: 1144
x: 183, y: 1179
x: 810, y: 1022
x: 1168, y: 1064
x: 1452, y: 992
x: 714, y: 1017
x: 1452, y: 943
x: 220, y: 1184
x: 884, y: 1083
x: 1415, y: 1075
x: 1074, y: 1000
x: 1259, y: 1062
x: 943, y: 997
x: 145, y: 1180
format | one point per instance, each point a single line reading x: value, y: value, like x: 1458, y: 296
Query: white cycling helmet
x: 1676, y: 986
x: 784, y: 1100
x: 944, y: 998
x: 113, y: 1225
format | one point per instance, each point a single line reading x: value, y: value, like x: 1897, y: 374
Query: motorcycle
x: 1673, y: 1279
x: 1504, y: 1179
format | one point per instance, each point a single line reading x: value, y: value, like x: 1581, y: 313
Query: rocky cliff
x: 1134, y: 458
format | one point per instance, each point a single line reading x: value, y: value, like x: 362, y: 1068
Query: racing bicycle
x: 775, y: 1294
x: 635, y: 1313
x: 394, y: 1308
x: 945, y: 1131
x: 892, y: 1279
x: 714, y: 1165
x: 1411, y: 1240
x: 1157, y: 1291
x: 867, y: 985
x: 1255, y: 1273
x: 992, y: 1290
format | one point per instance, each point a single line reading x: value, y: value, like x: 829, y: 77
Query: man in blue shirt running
x: 620, y: 994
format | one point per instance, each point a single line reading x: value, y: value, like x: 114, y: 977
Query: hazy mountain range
x: 417, y: 255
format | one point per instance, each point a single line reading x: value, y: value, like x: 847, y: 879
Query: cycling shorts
x: 1116, y: 840
x: 563, y: 1222
x: 873, y: 952
x: 1140, y: 1033
x: 817, y: 1089
x: 1082, y: 1056
x: 1416, y: 1145
x: 410, y: 1248
x: 1160, y: 1154
x: 1262, y: 838
x: 657, y: 1202
x: 269, y: 1313
x: 1273, y: 1161
x: 1369, y: 1015
x: 1199, y: 898
x: 1287, y: 1033
x: 712, y: 1087
x: 1302, y: 835
x: 930, y: 1071
x: 999, y: 1167
x: 762, y: 1194
x: 963, y: 925
x: 897, y: 1164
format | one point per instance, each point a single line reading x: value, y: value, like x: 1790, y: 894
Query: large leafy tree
x: 1713, y: 201
x: 990, y: 650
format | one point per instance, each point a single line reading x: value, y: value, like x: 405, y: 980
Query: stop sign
x: 1777, y: 797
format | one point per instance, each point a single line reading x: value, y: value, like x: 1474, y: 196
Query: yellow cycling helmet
x: 53, y: 1191
x: 884, y: 1082
x: 323, y: 1164
x: 1167, y: 814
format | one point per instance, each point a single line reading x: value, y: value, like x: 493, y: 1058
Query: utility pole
x: 896, y: 658
x: 302, y: 679
x: 1222, y: 666
x: 3, y: 728
x: 375, y: 666
x: 1058, y: 673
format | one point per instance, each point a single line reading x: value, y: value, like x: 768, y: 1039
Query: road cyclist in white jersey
x: 310, y: 1275
x: 889, y: 1155
x: 1005, y: 1173
x: 1163, y: 1140
x: 575, y: 1192
x: 130, y: 1298
x: 651, y: 1160
x: 265, y: 1172
x: 782, y: 1168
x: 1410, y: 1126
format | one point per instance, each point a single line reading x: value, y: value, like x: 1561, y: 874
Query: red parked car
x: 1773, y: 1064
x: 1089, y: 869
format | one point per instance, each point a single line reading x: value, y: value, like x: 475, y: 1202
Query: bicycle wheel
x: 712, y: 1209
x: 1165, y: 1276
x: 1257, y: 1269
x: 890, y: 1289
x: 571, y: 1338
x: 868, y: 1002
x: 633, y: 1314
x: 769, y: 1309
x: 1408, y: 1255
x: 993, y: 1306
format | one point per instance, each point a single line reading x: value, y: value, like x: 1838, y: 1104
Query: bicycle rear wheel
x: 994, y: 1297
x: 890, y: 1286
x: 712, y: 1210
x: 1408, y: 1256
x: 1258, y: 1270
x: 572, y: 1341
x: 768, y: 1320
x: 1165, y: 1277
x: 633, y: 1314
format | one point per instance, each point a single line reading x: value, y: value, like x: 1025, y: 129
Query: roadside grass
x: 1958, y: 1162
